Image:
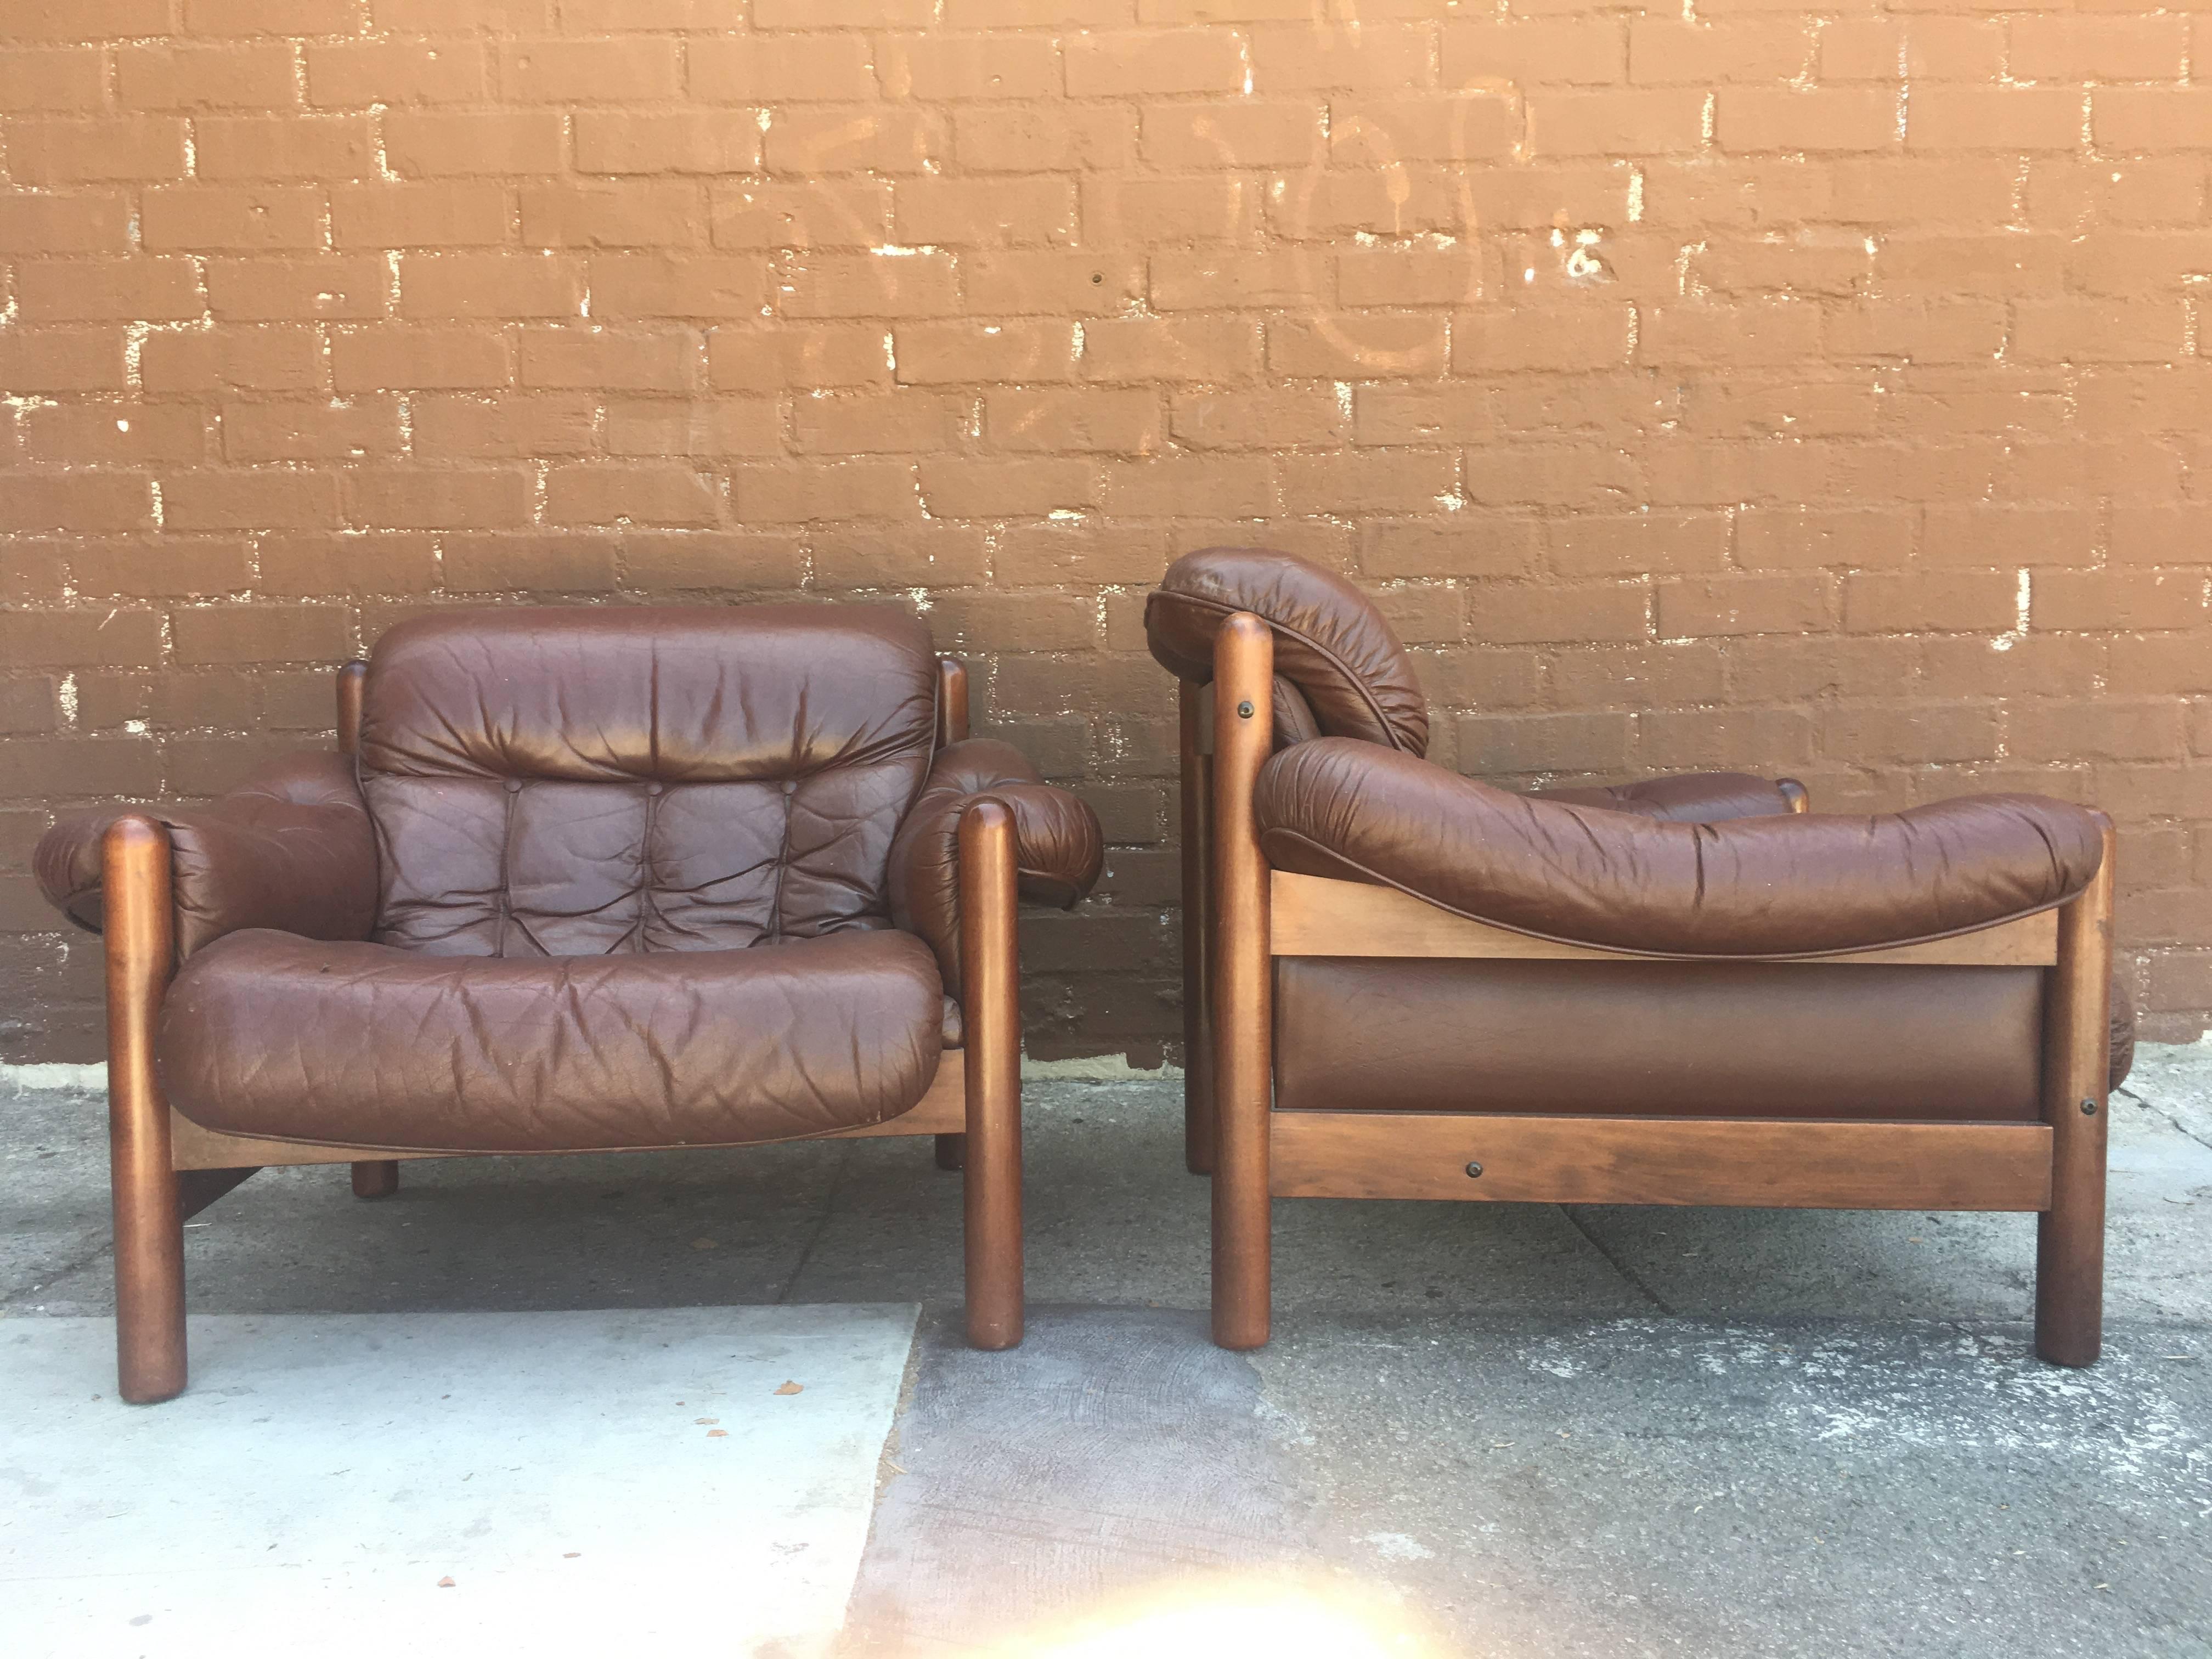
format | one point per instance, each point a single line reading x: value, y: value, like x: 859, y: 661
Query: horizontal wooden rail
x: 1313, y: 916
x: 942, y: 1111
x: 1782, y: 1163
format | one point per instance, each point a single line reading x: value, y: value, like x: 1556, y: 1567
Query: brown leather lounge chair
x: 1409, y: 984
x: 578, y: 880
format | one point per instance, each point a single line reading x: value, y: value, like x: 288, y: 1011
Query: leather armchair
x: 1402, y: 982
x: 578, y: 880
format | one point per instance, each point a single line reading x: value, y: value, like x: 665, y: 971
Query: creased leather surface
x: 1687, y: 798
x: 1691, y: 1039
x: 1330, y: 640
x: 1294, y: 715
x: 364, y: 1045
x: 567, y: 782
x: 290, y: 847
x: 1058, y: 845
x: 1784, y: 885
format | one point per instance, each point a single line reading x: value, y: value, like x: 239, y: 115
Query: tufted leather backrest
x: 558, y: 781
x: 1348, y: 674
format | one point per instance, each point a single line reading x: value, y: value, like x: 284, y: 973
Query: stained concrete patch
x: 1629, y: 1487
x: 562, y: 1484
x: 1116, y: 1452
x: 56, y: 1218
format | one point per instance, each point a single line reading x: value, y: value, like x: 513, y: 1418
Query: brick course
x: 1778, y: 388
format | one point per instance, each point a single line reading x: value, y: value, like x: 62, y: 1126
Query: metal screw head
x: 1474, y: 1169
x: 2088, y: 1109
x: 1243, y: 711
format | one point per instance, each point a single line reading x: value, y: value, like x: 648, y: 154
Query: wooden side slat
x: 942, y: 1111
x: 1313, y: 916
x: 1763, y: 1162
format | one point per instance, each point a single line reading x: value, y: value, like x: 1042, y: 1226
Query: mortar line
x: 1615, y: 1262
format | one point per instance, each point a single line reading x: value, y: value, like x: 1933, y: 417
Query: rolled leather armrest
x: 1687, y: 798
x: 290, y: 849
x: 1750, y: 887
x: 1058, y: 845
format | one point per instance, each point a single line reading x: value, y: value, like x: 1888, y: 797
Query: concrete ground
x: 1485, y: 1430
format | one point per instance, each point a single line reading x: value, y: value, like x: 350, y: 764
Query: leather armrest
x: 290, y: 849
x: 1765, y: 886
x: 1687, y: 798
x: 1058, y: 845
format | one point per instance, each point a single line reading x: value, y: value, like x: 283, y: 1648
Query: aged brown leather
x: 1348, y: 676
x: 1686, y: 798
x: 1658, y: 1038
x: 614, y: 878
x: 290, y: 848
x: 365, y: 1045
x: 1330, y: 640
x: 1058, y: 847
x: 564, y: 782
x: 1763, y: 886
x: 1294, y: 715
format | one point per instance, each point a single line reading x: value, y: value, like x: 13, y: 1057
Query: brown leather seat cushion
x: 364, y: 1045
x: 1668, y: 1039
x: 1682, y: 798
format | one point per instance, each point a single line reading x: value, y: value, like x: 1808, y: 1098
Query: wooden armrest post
x: 1197, y: 786
x: 150, y: 1228
x: 372, y: 1178
x: 2069, y: 1236
x: 952, y: 1151
x: 952, y: 700
x: 1242, y: 971
x: 991, y: 1002
x: 352, y: 678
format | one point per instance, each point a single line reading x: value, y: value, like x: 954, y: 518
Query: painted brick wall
x: 1813, y: 389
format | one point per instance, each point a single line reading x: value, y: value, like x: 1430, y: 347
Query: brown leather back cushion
x: 559, y: 781
x: 1330, y: 640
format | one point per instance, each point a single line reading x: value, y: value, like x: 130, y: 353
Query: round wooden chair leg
x: 376, y: 1177
x: 991, y: 1194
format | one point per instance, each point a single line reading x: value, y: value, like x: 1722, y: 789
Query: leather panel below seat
x: 1658, y: 1039
x: 364, y: 1045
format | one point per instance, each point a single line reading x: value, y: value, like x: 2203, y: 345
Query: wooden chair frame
x: 1240, y: 915
x: 164, y: 1168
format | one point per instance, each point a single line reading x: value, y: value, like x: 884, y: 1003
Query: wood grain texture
x: 1196, y: 776
x: 1244, y: 984
x: 942, y: 1111
x: 1315, y: 916
x: 2069, y: 1239
x: 1760, y: 1163
x: 149, y: 1239
x: 952, y: 700
x: 352, y: 679
x: 951, y: 1150
x: 991, y: 1001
